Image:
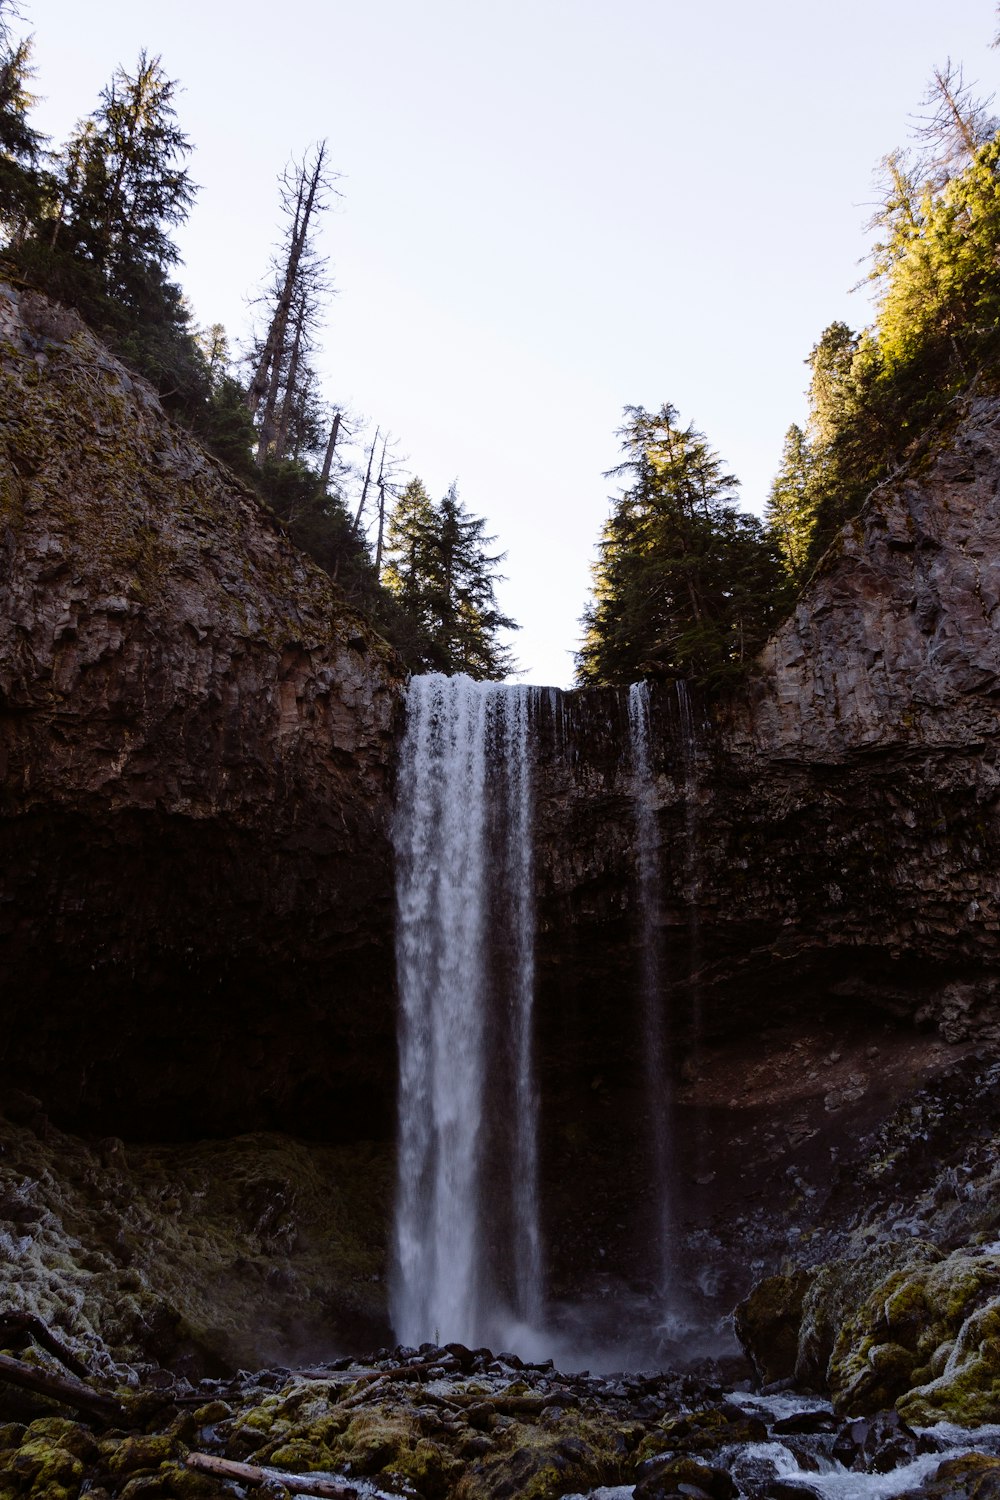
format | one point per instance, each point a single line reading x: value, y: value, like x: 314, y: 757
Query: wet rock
x: 685, y: 1476
x: 805, y: 1422
x: 768, y: 1322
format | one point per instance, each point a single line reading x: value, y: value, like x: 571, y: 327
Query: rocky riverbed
x: 437, y: 1422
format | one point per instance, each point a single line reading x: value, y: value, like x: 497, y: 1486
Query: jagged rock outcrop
x: 196, y: 755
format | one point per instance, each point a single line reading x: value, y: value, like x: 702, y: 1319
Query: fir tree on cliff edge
x: 685, y: 584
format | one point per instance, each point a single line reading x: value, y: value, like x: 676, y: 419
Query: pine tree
x: 685, y: 584
x: 124, y: 186
x: 23, y: 183
x: 443, y: 576
x: 791, y: 505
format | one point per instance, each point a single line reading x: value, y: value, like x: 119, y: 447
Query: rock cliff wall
x: 847, y: 798
x: 196, y: 744
x: 830, y: 852
x: 197, y: 741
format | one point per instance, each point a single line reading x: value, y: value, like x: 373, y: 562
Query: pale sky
x: 549, y: 210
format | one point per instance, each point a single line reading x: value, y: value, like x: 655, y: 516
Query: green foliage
x: 935, y: 264
x: 790, y: 513
x: 123, y: 185
x: 23, y: 183
x: 685, y: 583
x: 443, y: 578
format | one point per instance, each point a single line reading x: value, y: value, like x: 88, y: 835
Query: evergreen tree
x: 125, y: 185
x: 444, y: 578
x: 23, y: 183
x: 791, y: 505
x: 685, y: 584
x: 936, y: 272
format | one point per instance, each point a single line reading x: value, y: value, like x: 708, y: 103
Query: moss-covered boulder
x: 768, y: 1323
x: 903, y: 1325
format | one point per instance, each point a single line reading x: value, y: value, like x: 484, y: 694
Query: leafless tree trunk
x: 364, y: 487
x: 324, y: 477
x: 310, y: 183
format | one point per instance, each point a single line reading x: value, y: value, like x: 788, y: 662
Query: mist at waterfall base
x: 469, y: 1256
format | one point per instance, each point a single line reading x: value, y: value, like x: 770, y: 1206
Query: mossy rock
x: 925, y: 1339
x: 60, y: 1432
x: 539, y: 1466
x: 968, y: 1389
x: 837, y: 1292
x: 301, y: 1456
x: 172, y: 1481
x: 143, y: 1452
x: 47, y: 1472
x: 376, y: 1440
x: 427, y: 1468
x: 974, y: 1476
x: 698, y: 1477
x: 768, y: 1321
x: 704, y: 1431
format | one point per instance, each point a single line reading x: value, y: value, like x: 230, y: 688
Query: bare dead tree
x: 331, y: 448
x: 956, y: 126
x: 356, y: 526
x: 298, y: 285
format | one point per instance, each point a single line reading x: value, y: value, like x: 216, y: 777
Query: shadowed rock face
x: 830, y: 872
x: 196, y: 748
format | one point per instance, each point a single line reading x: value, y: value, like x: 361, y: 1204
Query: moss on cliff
x: 206, y: 1256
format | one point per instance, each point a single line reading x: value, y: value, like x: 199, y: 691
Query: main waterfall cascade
x: 468, y: 1248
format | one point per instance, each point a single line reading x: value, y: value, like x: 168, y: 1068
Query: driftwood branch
x: 410, y: 1372
x: 298, y: 1484
x: 64, y: 1388
x: 26, y: 1325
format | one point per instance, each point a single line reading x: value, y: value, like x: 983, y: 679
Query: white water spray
x: 468, y: 1247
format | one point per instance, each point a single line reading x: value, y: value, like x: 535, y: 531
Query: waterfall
x: 658, y: 1095
x: 468, y: 1248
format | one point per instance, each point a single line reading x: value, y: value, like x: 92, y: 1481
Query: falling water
x: 468, y: 1250
x: 693, y: 880
x: 651, y: 984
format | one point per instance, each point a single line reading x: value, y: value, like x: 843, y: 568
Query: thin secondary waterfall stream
x: 651, y: 997
x: 468, y: 1250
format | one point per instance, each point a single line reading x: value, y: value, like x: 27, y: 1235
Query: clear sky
x: 550, y: 208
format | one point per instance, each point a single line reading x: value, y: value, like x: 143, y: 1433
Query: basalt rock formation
x: 196, y: 748
x: 830, y: 849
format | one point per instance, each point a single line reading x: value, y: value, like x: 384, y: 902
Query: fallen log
x: 26, y: 1325
x: 407, y: 1372
x: 297, y: 1484
x: 62, y: 1388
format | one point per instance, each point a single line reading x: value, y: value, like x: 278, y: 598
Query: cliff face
x: 197, y: 743
x: 830, y: 852
x: 847, y: 798
x: 196, y: 749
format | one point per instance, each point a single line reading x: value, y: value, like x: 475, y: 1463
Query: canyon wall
x: 196, y: 750
x: 197, y: 740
